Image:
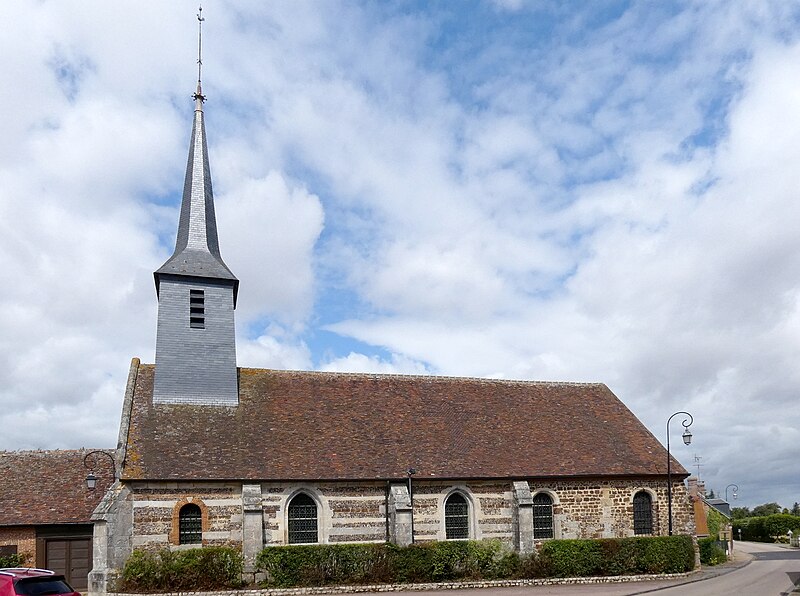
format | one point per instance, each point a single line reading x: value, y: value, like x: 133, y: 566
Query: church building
x: 212, y: 454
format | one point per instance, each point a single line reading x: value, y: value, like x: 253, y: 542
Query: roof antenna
x: 198, y: 96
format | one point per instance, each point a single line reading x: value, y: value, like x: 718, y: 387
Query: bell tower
x: 195, y: 336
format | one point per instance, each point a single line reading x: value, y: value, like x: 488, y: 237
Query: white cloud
x: 610, y: 201
x: 355, y: 362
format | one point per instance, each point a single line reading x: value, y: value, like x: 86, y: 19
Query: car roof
x: 20, y: 572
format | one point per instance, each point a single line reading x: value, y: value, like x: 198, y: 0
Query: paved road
x: 774, y: 571
x: 757, y: 570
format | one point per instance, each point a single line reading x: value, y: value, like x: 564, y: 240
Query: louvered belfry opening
x: 197, y: 309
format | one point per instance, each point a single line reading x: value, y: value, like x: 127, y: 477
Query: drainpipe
x: 386, y: 508
x: 411, y: 472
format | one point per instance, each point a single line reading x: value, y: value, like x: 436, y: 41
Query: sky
x: 570, y: 191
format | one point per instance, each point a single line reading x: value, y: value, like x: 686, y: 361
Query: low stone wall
x: 503, y: 583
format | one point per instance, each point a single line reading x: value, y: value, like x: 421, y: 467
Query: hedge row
x: 196, y: 569
x: 767, y: 528
x: 619, y: 556
x: 318, y: 565
x: 15, y: 560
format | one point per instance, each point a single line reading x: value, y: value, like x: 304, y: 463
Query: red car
x: 27, y: 581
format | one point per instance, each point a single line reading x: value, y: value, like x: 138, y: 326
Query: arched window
x: 542, y: 516
x: 642, y: 513
x: 456, y: 517
x: 302, y: 520
x: 190, y: 524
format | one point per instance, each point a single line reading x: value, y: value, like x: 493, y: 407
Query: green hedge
x: 711, y: 553
x: 619, y: 556
x: 318, y: 565
x: 15, y: 560
x: 767, y: 528
x: 194, y: 569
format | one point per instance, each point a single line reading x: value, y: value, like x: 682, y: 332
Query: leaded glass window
x: 542, y: 516
x: 456, y: 517
x: 190, y: 524
x: 302, y: 520
x: 642, y: 513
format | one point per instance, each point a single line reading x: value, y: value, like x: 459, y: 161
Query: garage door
x: 71, y: 558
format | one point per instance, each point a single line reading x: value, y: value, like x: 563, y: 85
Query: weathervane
x: 198, y: 96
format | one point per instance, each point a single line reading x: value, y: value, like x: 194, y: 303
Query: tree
x: 766, y: 509
x: 796, y: 508
x: 711, y: 494
x: 740, y: 512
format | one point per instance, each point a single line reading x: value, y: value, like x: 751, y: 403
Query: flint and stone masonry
x: 254, y: 515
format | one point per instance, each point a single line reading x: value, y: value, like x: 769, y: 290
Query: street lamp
x: 687, y: 438
x: 410, y: 473
x: 735, y: 489
x: 91, y: 479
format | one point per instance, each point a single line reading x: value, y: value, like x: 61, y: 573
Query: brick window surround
x: 174, y: 532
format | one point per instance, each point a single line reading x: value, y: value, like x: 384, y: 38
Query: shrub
x: 711, y: 553
x: 619, y: 556
x: 319, y: 564
x: 13, y: 560
x: 326, y: 564
x: 195, y: 569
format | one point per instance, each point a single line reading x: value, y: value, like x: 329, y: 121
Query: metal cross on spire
x: 198, y: 96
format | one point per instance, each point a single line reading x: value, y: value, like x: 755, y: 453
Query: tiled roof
x: 313, y: 426
x: 49, y: 487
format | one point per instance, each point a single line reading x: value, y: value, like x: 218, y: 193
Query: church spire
x: 195, y: 336
x: 197, y: 246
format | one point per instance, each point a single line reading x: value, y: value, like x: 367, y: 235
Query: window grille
x: 642, y: 513
x: 456, y: 517
x: 190, y: 525
x: 542, y: 516
x: 302, y: 520
x: 197, y: 309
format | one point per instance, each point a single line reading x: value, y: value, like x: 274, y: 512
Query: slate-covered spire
x: 195, y: 336
x: 197, y: 246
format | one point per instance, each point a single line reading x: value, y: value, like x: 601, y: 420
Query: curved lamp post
x: 91, y: 479
x: 735, y: 489
x: 687, y: 438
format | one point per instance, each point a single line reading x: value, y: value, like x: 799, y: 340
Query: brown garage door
x: 72, y: 558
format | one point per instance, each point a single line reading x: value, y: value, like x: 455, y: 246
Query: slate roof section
x: 197, y: 245
x: 49, y: 487
x: 301, y: 426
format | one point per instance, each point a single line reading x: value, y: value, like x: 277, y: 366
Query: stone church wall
x: 357, y: 511
x: 604, y: 508
x: 155, y: 506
